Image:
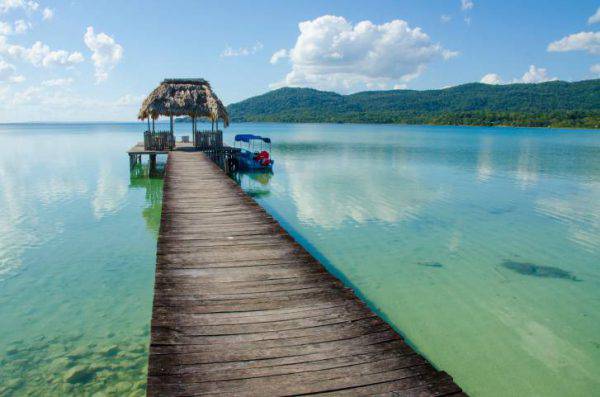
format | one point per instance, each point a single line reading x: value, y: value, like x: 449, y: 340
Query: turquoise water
x: 481, y: 245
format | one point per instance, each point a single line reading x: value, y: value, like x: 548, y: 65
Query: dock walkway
x: 241, y: 309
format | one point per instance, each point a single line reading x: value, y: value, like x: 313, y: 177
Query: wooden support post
x: 171, y: 117
x: 152, y: 163
x: 194, y: 130
x: 153, y: 125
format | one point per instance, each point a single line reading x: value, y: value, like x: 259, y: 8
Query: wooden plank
x: 241, y: 309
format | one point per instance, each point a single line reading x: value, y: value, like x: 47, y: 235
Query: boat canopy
x: 249, y: 137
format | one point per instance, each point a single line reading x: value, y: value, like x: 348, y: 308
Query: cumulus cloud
x: 491, y: 78
x: 582, y: 41
x: 278, y: 55
x: 242, y: 51
x: 57, y: 82
x: 332, y: 53
x: 445, y: 18
x: 466, y: 5
x: 47, y: 14
x: 39, y: 54
x: 595, y: 18
x: 531, y: 76
x: 20, y: 26
x: 5, y: 28
x: 27, y: 5
x: 8, y: 73
x: 536, y: 75
x: 106, y: 53
x: 595, y: 69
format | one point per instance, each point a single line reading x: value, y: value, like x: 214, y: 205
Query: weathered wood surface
x: 241, y: 309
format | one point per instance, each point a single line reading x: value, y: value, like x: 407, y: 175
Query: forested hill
x: 551, y: 104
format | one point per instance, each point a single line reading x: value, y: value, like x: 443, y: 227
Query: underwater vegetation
x: 431, y: 264
x: 531, y: 269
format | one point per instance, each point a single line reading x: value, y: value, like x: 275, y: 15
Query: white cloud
x: 47, y: 14
x: 106, y: 53
x: 445, y: 18
x: 277, y: 55
x: 8, y: 73
x: 582, y: 41
x: 39, y: 54
x: 57, y: 82
x: 595, y: 69
x: 466, y: 5
x: 536, y: 75
x: 130, y: 100
x: 5, y: 28
x: 21, y: 26
x: 332, y: 53
x: 47, y: 102
x: 242, y: 51
x: 491, y: 78
x: 27, y: 5
x: 532, y: 76
x: 595, y: 18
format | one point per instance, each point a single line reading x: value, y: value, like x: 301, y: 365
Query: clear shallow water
x: 481, y: 245
x: 77, y: 254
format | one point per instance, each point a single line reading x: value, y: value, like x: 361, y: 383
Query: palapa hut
x: 182, y: 97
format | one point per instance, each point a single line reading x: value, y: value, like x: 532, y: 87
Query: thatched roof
x: 184, y: 97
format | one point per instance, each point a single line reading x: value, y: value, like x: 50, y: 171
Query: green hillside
x: 551, y: 104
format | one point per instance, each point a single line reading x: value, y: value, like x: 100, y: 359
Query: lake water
x: 481, y: 245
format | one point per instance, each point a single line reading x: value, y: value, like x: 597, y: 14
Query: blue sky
x: 95, y: 60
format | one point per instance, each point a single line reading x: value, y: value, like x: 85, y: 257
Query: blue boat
x: 255, y: 152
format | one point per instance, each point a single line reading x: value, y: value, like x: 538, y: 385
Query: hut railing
x: 159, y: 140
x: 208, y: 140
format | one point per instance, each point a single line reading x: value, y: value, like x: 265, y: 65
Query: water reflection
x: 527, y: 166
x: 356, y: 185
x: 254, y: 183
x: 140, y: 179
x: 34, y: 187
x: 110, y: 192
x: 469, y: 240
x: 579, y: 210
x: 484, y: 163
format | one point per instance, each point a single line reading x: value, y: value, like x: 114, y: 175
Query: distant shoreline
x: 555, y: 104
x: 166, y: 122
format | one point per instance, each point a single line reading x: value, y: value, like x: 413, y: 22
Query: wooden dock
x: 241, y: 309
